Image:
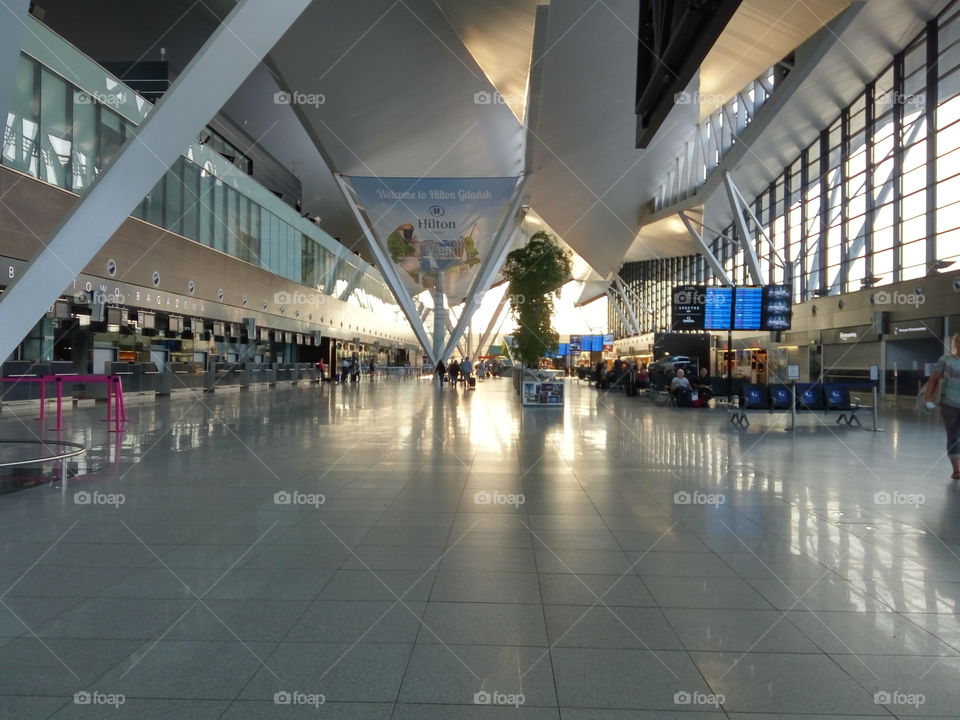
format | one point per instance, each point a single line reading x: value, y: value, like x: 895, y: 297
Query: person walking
x: 946, y: 380
x: 441, y: 372
x: 453, y: 369
x: 466, y: 371
x: 372, y: 370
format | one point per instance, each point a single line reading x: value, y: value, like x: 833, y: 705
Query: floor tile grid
x: 148, y: 644
x: 401, y: 595
x: 399, y: 599
x: 132, y: 570
x: 833, y: 571
x: 631, y: 570
x: 453, y: 538
x: 799, y: 603
x: 782, y: 618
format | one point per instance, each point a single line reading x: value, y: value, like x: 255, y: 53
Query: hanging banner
x: 436, y: 230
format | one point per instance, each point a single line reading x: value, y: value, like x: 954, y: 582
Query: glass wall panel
x: 191, y: 200
x: 83, y: 162
x: 23, y: 121
x: 173, y: 197
x: 55, y: 129
x: 112, y: 136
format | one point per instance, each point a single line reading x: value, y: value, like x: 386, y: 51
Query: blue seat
x: 810, y: 396
x: 755, y: 397
x: 837, y: 396
x: 781, y: 397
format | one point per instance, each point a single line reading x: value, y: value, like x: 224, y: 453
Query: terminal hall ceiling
x: 467, y: 88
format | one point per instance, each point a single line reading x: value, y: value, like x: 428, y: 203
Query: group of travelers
x: 634, y: 376
x: 621, y: 372
x: 462, y: 371
x: 687, y: 393
x: 350, y: 370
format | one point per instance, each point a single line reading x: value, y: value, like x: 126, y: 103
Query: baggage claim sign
x: 436, y: 230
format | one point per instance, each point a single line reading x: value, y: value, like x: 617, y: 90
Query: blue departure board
x: 747, y: 308
x: 719, y: 308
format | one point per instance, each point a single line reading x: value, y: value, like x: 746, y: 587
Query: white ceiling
x: 589, y: 179
x: 399, y: 90
x: 499, y: 36
x: 759, y: 34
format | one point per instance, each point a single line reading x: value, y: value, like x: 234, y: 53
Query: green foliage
x: 398, y: 247
x: 536, y: 273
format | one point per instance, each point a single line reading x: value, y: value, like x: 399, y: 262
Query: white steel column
x: 493, y: 322
x: 440, y: 322
x: 705, y: 250
x: 622, y: 289
x: 13, y: 15
x: 612, y: 297
x: 745, y: 236
x: 247, y: 34
x: 500, y: 246
x: 389, y: 272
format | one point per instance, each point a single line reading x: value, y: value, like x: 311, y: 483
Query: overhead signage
x: 719, y: 308
x: 916, y: 329
x: 777, y: 308
x: 747, y: 308
x: 688, y: 307
x: 848, y: 335
x: 695, y: 307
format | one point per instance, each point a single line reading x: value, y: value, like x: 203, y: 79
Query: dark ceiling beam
x: 674, y: 38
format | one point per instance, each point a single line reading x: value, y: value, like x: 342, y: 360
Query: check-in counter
x: 228, y: 374
x: 151, y: 377
x: 286, y: 372
x: 257, y: 373
x: 11, y: 390
x: 140, y: 377
x: 307, y: 372
x: 181, y: 376
x: 129, y: 374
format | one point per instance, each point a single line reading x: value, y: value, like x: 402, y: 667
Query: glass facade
x: 875, y: 199
x: 66, y: 137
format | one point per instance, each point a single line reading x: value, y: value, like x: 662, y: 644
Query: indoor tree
x: 536, y: 272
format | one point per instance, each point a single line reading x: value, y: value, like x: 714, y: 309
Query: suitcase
x: 472, y: 383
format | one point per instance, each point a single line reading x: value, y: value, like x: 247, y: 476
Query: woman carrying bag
x: 945, y: 380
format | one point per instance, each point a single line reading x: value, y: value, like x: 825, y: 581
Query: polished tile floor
x: 398, y: 551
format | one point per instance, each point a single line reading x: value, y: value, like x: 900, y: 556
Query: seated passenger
x: 703, y: 384
x: 679, y: 381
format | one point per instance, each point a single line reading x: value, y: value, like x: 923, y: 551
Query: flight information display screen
x: 719, y: 308
x: 747, y: 308
x: 777, y: 308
